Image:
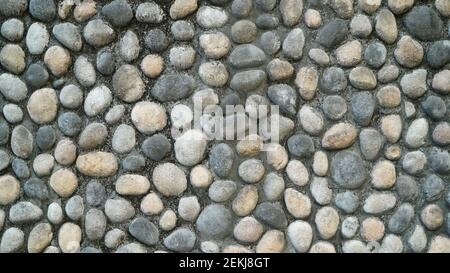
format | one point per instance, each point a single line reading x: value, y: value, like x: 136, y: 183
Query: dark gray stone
x: 266, y: 5
x: 180, y: 240
x: 171, y: 87
x: 4, y: 160
x: 44, y: 10
x: 105, y: 62
x: 438, y: 54
x: 348, y: 170
x: 20, y: 168
x: 232, y: 99
x: 433, y: 188
x: 144, y: 231
x: 270, y: 42
x: 156, y: 147
x: 95, y: 193
x: 4, y: 131
x: 370, y: 143
x: 333, y: 80
x: 36, y: 75
x: 69, y: 123
x: 69, y: 35
x: 284, y: 96
x: 133, y: 163
x: 271, y: 214
x: 375, y: 55
x: 407, y: 188
x: 247, y: 80
x: 401, y: 218
x: 35, y: 188
x: 182, y: 30
x: 434, y: 107
x: 334, y: 107
x: 245, y: 56
x: 45, y: 137
x: 333, y: 33
x: 221, y: 159
x: 439, y: 161
x: 363, y: 107
x: 267, y: 21
x: 156, y: 40
x: 215, y: 222
x: 118, y: 12
x: 301, y: 145
x: 9, y: 8
x: 424, y: 23
x: 241, y: 8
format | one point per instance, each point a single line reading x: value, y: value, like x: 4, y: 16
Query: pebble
x: 9, y: 189
x: 414, y: 162
x: 182, y: 30
x: 127, y: 83
x: 333, y: 33
x: 432, y: 216
x: 148, y: 117
x: 306, y: 80
x: 64, y: 182
x: 12, y: 88
x: 182, y: 57
x: 12, y: 113
x: 409, y: 53
x: 320, y: 163
x: 221, y: 190
x: 401, y: 218
x: 98, y: 34
x: 386, y: 26
x: 434, y: 107
x: 37, y: 38
x: 439, y: 244
x: 372, y: 229
x: 273, y: 186
x: 441, y: 82
x: 349, y: 54
x: 170, y: 87
x: 417, y: 241
x: 75, y: 208
x: 361, y: 26
x: 150, y: 13
x: 93, y: 136
x: 273, y: 241
x: 58, y: 60
x: 69, y: 35
x: 100, y: 164
x: 301, y: 146
x: 370, y: 143
x: 293, y: 44
x: 12, y: 58
x: 182, y: 8
x: 362, y: 78
x: 213, y: 73
x: 55, y: 213
x: 320, y: 190
x: 215, y: 221
x: 71, y: 96
x: 13, y: 7
x: 417, y: 132
x: 339, y: 136
x: 245, y: 201
x: 414, y: 84
x: 24, y: 212
x: 69, y: 238
x: 168, y: 220
x: 424, y: 23
x: 22, y: 142
x: 438, y: 54
x: 4, y: 160
x: 344, y: 175
x: 200, y: 176
x: 270, y: 42
x: 349, y: 227
x: 39, y: 238
x: 12, y: 240
x: 327, y: 222
x: 180, y: 240
x: 297, y: 172
x: 300, y: 235
x: 144, y: 231
x: 441, y: 133
x: 169, y: 179
x: 311, y: 120
x: 391, y: 127
x: 211, y: 17
x: 379, y: 202
x: 333, y: 80
x: 388, y: 73
x: 312, y: 18
x: 383, y: 175
x: 271, y: 214
x: 439, y: 161
x: 248, y: 230
x: 119, y: 210
x: 43, y: 10
x: 389, y: 96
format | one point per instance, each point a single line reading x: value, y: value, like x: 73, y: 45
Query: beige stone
x: 58, y: 60
x: 339, y: 136
x: 306, y: 81
x: 9, y: 189
x: 297, y: 203
x: 272, y: 241
x: 372, y: 229
x: 245, y: 201
x: 132, y: 184
x: 152, y: 65
x: 101, y: 164
x: 64, y: 182
x: 43, y: 105
x: 383, y: 175
x: 391, y: 127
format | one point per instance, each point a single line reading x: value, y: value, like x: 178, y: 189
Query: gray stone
x: 241, y: 8
x: 69, y: 35
x: 20, y: 168
x: 12, y: 87
x: 221, y: 159
x: 248, y: 80
x: 133, y: 163
x: 438, y: 54
x: 271, y: 214
x: 347, y: 170
x: 11, y: 8
x: 170, y: 87
x: 221, y: 190
x: 12, y: 29
x: 22, y: 141
x: 12, y: 239
x: 333, y: 33
x: 293, y: 44
x: 301, y: 145
x: 347, y: 201
x: 156, y: 40
x: 401, y: 218
x: 118, y: 12
x: 439, y: 161
x: 44, y: 10
x: 4, y: 160
x: 433, y: 188
x: 95, y: 193
x: 375, y: 55
x: 334, y: 107
x: 370, y: 143
x: 93, y: 136
x: 215, y: 222
x: 333, y: 80
x: 95, y: 224
x: 243, y: 31
x: 150, y: 13
x: 35, y: 188
x: 24, y: 212
x: 127, y: 83
x: 144, y: 231
x: 245, y: 56
x: 363, y: 107
x: 434, y: 107
x: 45, y: 137
x: 180, y: 240
x: 270, y: 42
x: 71, y: 96
x: 182, y: 30
x: 74, y: 208
x: 69, y: 123
x: 267, y: 21
x: 105, y: 62
x: 97, y: 33
x: 406, y: 188
x: 424, y: 23
x: 36, y: 75
x: 37, y: 38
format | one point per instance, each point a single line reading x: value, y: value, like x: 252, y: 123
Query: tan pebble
x: 383, y: 175
x: 391, y: 127
x: 65, y: 152
x: 245, y: 201
x: 297, y: 203
x: 152, y: 65
x: 9, y: 189
x: 84, y: 10
x: 58, y: 60
x: 151, y: 204
x: 372, y: 229
x: 64, y: 182
x: 272, y: 241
